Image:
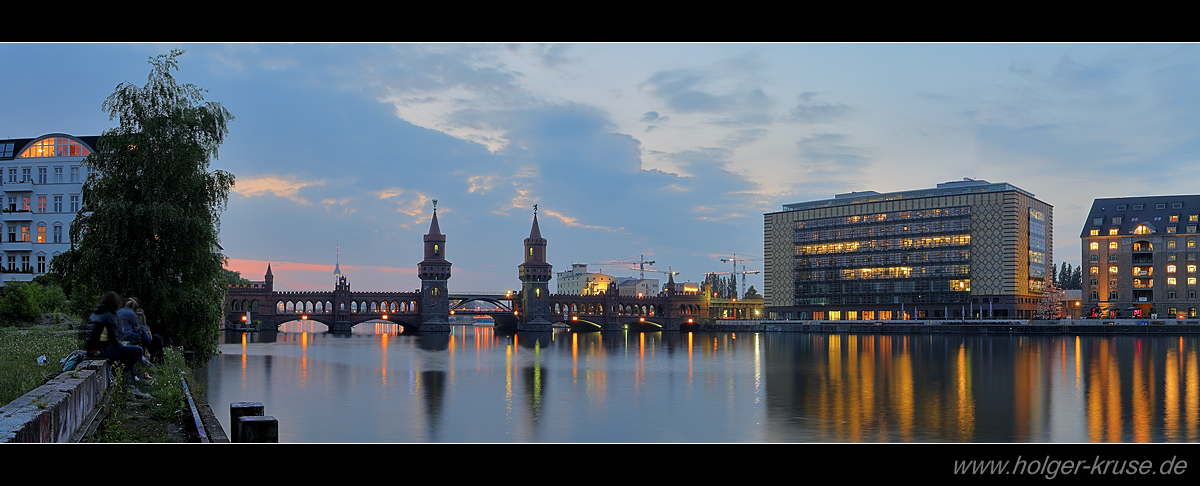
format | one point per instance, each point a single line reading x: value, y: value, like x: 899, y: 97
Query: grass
x: 19, y: 351
x: 153, y: 420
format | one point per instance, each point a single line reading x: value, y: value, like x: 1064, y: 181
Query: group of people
x: 121, y: 334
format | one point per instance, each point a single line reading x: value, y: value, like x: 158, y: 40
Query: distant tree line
x: 1067, y: 278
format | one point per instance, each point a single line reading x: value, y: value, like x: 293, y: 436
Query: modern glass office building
x: 965, y: 249
x: 41, y: 182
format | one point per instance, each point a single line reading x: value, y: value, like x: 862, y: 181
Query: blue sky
x: 672, y: 151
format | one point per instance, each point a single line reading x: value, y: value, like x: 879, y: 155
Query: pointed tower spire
x: 535, y: 276
x: 337, y: 257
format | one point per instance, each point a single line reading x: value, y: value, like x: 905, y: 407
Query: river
x: 478, y: 386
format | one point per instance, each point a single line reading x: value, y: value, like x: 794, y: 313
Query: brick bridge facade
x: 533, y: 308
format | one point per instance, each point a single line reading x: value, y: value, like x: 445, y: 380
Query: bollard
x: 258, y: 429
x: 238, y: 410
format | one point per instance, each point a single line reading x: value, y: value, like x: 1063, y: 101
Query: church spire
x: 337, y: 257
x: 535, y: 233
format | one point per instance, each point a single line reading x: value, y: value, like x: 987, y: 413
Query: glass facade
x: 968, y: 249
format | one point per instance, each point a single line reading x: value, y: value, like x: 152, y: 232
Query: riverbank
x: 1064, y: 326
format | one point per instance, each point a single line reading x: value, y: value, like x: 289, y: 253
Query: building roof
x: 965, y: 186
x: 1126, y: 214
x: 19, y: 144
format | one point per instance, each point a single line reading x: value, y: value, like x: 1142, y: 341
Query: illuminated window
x: 25, y: 233
x: 55, y: 147
x: 1171, y: 256
x: 1191, y: 269
x: 1113, y: 231
x: 1170, y: 280
x: 1191, y: 243
x: 1194, y: 217
x: 1094, y: 245
x: 1095, y: 270
x: 1112, y: 269
x: 1141, y: 229
x: 1170, y: 243
x: 1112, y: 245
x: 1170, y: 229
x: 1191, y: 280
x: 1172, y: 269
x: 24, y: 203
x: 1094, y: 232
x: 1174, y: 218
x: 42, y: 204
x: 1191, y: 228
x: 41, y: 233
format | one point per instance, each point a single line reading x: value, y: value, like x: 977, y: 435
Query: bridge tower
x: 535, y: 275
x: 434, y: 270
x: 269, y: 279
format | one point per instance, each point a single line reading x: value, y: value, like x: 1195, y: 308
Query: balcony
x: 26, y: 186
x: 17, y: 246
x: 15, y: 216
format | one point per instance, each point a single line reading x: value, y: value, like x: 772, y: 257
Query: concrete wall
x: 55, y: 411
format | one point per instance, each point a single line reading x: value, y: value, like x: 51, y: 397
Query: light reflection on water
x: 477, y: 385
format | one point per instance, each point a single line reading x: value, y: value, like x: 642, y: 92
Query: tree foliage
x: 151, y: 208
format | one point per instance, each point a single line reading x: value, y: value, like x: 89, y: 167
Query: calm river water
x: 475, y: 385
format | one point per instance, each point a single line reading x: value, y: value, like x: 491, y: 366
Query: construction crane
x: 641, y: 264
x: 707, y: 274
x: 743, y: 273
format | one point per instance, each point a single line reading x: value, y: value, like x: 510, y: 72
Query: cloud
x: 808, y: 110
x: 279, y: 186
x: 573, y: 222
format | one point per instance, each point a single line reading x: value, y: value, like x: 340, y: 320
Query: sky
x: 667, y: 152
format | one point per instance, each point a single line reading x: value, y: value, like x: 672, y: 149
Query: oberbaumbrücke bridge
x: 533, y: 308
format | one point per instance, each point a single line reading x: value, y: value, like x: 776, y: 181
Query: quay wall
x: 57, y: 410
x: 1066, y: 326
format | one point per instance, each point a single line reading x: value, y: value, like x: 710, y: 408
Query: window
x: 1170, y: 243
x: 1194, y: 217
x: 25, y: 177
x: 1097, y: 221
x: 1095, y: 270
x: 41, y: 175
x: 12, y: 263
x: 41, y: 203
x: 1170, y: 294
x: 1137, y: 207
x: 12, y: 203
x: 74, y: 203
x: 1112, y: 245
x: 12, y: 233
x: 1191, y: 280
x: 1095, y: 282
x: 1095, y: 257
x: 1170, y: 229
x: 1116, y: 220
x: 58, y: 175
x: 55, y: 147
x: 41, y: 268
x: 25, y: 263
x: 1121, y: 207
x: 41, y: 233
x: 58, y: 203
x: 1094, y: 232
x: 1112, y: 283
x: 74, y: 174
x: 1112, y: 269
x: 1160, y: 206
x: 1191, y: 269
x: 1112, y: 257
x: 1171, y: 257
x: 1176, y: 205
x: 25, y: 233
x: 1170, y: 280
x: 57, y: 233
x: 1191, y: 228
x: 12, y: 175
x: 1094, y: 245
x: 1191, y: 243
x: 1172, y: 269
x: 1095, y: 295
x: 1112, y: 295
x: 1113, y: 231
x: 1191, y: 255
x: 24, y: 203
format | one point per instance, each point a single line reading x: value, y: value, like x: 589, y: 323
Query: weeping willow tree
x: 151, y: 210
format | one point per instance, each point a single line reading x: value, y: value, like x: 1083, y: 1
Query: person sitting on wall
x: 102, y: 335
x: 154, y: 346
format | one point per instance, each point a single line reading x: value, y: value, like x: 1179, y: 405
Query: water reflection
x: 476, y: 385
